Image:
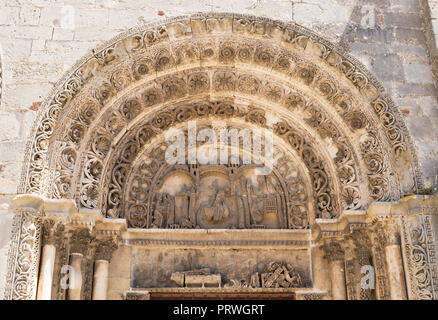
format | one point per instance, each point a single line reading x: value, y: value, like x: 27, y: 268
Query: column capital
x: 387, y: 232
x: 361, y: 238
x: 105, y: 248
x: 333, y: 249
x: 52, y: 231
x: 81, y: 240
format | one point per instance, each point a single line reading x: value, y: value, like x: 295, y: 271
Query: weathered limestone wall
x: 42, y: 39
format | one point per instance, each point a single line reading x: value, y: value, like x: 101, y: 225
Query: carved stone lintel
x: 197, y: 278
x: 275, y: 275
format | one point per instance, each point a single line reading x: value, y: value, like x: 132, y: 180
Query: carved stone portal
x: 340, y: 144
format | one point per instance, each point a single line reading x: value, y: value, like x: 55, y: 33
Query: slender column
x: 337, y: 276
x: 51, y: 231
x: 103, y: 256
x: 394, y: 262
x: 75, y: 283
x: 46, y: 272
x: 335, y: 255
x: 396, y: 273
x: 100, y: 284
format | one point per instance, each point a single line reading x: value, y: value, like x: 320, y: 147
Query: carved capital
x: 334, y: 251
x: 52, y: 232
x: 393, y: 233
x: 362, y: 246
x: 387, y: 232
x: 105, y: 248
x: 81, y: 240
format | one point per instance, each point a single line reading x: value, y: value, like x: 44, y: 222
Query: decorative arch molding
x: 323, y: 103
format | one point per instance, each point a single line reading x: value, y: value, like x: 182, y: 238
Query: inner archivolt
x: 234, y: 194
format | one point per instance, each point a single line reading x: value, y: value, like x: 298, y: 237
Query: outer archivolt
x: 294, y: 74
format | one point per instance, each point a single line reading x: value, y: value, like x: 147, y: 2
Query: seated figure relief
x: 218, y: 211
x: 220, y: 202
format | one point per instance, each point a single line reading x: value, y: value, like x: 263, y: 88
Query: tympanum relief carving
x: 232, y: 195
x: 219, y: 200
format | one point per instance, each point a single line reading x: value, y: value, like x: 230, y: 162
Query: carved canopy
x: 339, y: 141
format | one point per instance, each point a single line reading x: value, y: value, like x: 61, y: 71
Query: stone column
x: 103, y: 256
x: 335, y: 255
x: 46, y: 272
x: 394, y: 262
x: 75, y: 274
x: 100, y: 284
x: 80, y: 241
x: 51, y: 231
x: 396, y: 274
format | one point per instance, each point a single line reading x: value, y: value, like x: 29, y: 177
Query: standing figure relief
x: 219, y: 200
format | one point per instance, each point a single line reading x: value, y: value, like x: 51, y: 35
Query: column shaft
x: 395, y: 272
x: 46, y: 272
x: 75, y: 285
x: 337, y: 277
x: 100, y: 285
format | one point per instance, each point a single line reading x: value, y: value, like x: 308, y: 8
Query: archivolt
x: 322, y: 102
